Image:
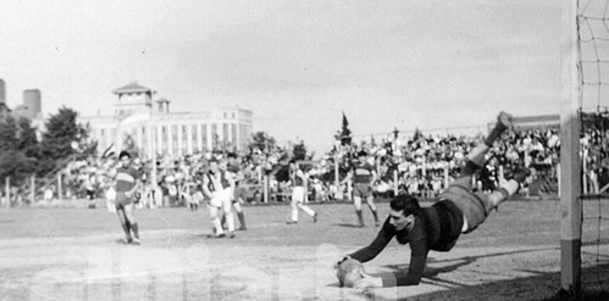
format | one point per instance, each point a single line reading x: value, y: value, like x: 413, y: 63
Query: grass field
x: 72, y: 254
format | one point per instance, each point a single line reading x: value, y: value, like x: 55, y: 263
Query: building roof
x: 162, y: 99
x: 133, y: 87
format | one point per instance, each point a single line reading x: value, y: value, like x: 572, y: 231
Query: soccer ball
x: 349, y: 271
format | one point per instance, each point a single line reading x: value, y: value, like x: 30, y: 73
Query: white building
x: 152, y: 127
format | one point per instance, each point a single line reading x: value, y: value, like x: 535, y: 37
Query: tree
x: 8, y: 134
x: 300, y: 151
x: 16, y: 165
x: 59, y: 141
x: 262, y: 141
x: 344, y: 135
x: 27, y: 142
x: 18, y: 147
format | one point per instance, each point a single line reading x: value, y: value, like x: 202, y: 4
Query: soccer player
x: 217, y: 186
x: 298, y: 178
x: 457, y: 210
x: 127, y: 183
x: 364, y: 176
x: 233, y: 169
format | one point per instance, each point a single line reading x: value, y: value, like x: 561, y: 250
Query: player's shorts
x: 240, y: 192
x: 475, y: 206
x: 122, y: 200
x: 220, y: 197
x: 298, y: 194
x: 197, y: 197
x: 362, y: 190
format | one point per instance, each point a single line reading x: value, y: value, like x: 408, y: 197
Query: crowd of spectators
x: 422, y: 165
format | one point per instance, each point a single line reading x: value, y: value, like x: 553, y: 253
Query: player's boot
x: 505, y: 120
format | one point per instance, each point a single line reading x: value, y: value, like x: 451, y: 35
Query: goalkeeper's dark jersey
x: 435, y: 228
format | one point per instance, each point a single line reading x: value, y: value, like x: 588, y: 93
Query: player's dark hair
x: 406, y: 202
x: 231, y: 155
x: 362, y: 153
x: 124, y: 154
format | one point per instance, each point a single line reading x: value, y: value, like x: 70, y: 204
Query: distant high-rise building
x: 32, y: 102
x: 2, y: 91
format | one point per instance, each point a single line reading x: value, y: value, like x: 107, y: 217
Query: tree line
x: 24, y: 153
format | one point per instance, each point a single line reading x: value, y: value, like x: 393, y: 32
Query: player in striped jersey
x: 364, y: 176
x: 127, y: 183
x: 217, y: 186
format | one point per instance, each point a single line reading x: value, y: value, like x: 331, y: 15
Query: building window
x: 174, y: 139
x: 204, y: 136
x: 214, y: 136
x: 184, y: 139
x: 193, y: 138
x: 233, y: 128
x: 225, y: 132
x: 165, y: 139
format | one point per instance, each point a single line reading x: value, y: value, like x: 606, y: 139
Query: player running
x: 298, y: 178
x: 233, y: 169
x: 457, y: 210
x: 217, y: 186
x: 127, y: 183
x: 364, y: 176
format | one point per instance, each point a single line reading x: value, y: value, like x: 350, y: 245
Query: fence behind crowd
x: 427, y: 182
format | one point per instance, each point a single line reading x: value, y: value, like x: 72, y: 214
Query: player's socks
x: 360, y: 217
x: 306, y: 209
x: 509, y: 188
x: 216, y: 222
x: 521, y: 174
x: 476, y: 155
x: 294, y: 215
x: 127, y: 229
x: 503, y: 123
x: 223, y: 220
x: 241, y: 217
x: 469, y: 168
x: 376, y: 217
x: 134, y: 228
x: 230, y: 221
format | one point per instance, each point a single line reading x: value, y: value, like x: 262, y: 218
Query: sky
x: 441, y: 66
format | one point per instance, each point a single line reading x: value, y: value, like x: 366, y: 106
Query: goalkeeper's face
x: 401, y: 222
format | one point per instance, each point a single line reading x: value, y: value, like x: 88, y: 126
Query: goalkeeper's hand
x: 368, y: 281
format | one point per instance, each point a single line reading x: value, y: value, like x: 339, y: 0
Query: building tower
x: 2, y: 91
x: 132, y: 98
x: 32, y: 102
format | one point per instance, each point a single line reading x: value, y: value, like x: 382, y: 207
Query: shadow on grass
x: 543, y: 286
x: 347, y: 225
